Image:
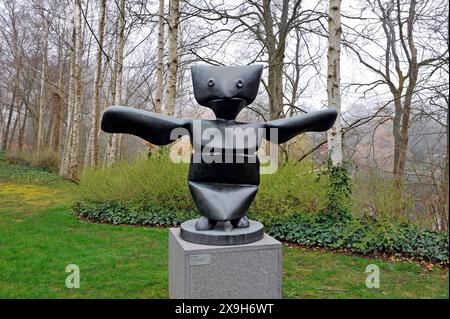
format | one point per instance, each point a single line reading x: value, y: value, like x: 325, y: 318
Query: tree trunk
x: 91, y: 158
x: 413, y: 72
x: 14, y: 99
x: 160, y: 67
x: 13, y: 132
x: 444, y: 185
x: 334, y: 78
x: 396, y: 133
x: 42, y: 96
x: 22, y: 130
x: 73, y: 148
x: 57, y: 108
x: 17, y: 66
x: 17, y: 123
x: 174, y: 19
x: 56, y: 122
x: 113, y: 149
x: 111, y: 99
x: 70, y: 106
x: 275, y: 85
x: 8, y: 121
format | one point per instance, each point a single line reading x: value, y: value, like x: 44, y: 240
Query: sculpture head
x: 226, y: 90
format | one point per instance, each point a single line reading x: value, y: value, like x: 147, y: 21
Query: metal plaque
x: 197, y: 260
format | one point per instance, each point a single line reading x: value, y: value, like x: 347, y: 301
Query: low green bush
x: 298, y: 204
x: 156, y: 181
x: 117, y: 213
x: 367, y: 238
x: 14, y: 173
x: 338, y: 191
x: 376, y: 195
x: 45, y: 160
x: 294, y: 188
x: 356, y: 235
x: 18, y: 158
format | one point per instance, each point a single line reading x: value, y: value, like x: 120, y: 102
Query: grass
x: 37, y: 244
x: 39, y: 237
x: 316, y: 274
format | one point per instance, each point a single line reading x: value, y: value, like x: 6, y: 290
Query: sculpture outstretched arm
x: 152, y: 127
x: 290, y: 127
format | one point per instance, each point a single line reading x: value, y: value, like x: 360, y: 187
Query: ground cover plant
x: 298, y: 204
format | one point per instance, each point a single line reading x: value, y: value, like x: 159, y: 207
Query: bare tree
x: 267, y: 25
x: 400, y: 64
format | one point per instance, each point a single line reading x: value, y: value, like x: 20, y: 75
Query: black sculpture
x: 223, y: 176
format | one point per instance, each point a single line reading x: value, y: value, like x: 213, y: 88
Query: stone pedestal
x: 223, y: 233
x: 250, y: 271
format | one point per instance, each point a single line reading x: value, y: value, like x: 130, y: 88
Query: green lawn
x: 39, y: 237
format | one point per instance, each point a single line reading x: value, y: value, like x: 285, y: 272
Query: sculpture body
x: 224, y: 169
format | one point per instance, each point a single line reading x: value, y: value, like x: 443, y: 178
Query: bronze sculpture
x: 223, y: 174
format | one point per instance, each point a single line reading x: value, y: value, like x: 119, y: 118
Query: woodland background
x: 382, y: 63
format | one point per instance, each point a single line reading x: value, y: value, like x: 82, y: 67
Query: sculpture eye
x: 239, y: 84
x: 211, y: 82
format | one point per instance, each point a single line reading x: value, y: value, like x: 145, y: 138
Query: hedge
x: 361, y: 236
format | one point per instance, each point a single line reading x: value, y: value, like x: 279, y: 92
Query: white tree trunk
x: 113, y: 147
x: 160, y: 68
x: 174, y: 19
x: 91, y: 157
x: 70, y: 106
x: 73, y: 148
x: 334, y: 78
x: 42, y: 96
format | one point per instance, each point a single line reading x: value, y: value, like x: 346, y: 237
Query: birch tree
x: 113, y: 146
x: 70, y: 105
x: 91, y: 157
x: 69, y: 169
x: 58, y: 101
x: 160, y: 66
x: 174, y: 20
x: 43, y: 95
x: 333, y: 79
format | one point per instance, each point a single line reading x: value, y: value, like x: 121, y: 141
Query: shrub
x: 117, y: 213
x: 297, y: 204
x: 18, y: 158
x: 156, y: 181
x: 362, y: 236
x: 366, y: 237
x: 294, y: 188
x: 46, y: 159
x: 12, y: 173
x: 376, y: 196
x: 338, y: 192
